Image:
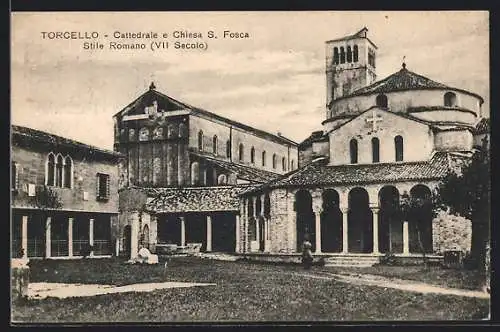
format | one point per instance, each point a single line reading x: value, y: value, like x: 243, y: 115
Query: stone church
x: 192, y: 176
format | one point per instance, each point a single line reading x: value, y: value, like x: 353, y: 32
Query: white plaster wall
x: 211, y: 128
x: 446, y: 115
x: 399, y: 101
x: 418, y: 139
x: 454, y: 140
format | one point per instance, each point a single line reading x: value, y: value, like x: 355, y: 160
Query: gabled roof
x: 196, y: 199
x: 243, y: 172
x: 320, y: 174
x: 167, y: 104
x: 30, y: 135
x: 404, y: 80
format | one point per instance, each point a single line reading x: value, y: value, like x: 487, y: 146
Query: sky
x: 274, y: 80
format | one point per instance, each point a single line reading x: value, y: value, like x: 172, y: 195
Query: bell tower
x: 350, y: 65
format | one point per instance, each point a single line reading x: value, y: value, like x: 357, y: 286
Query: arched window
x: 228, y: 149
x: 349, y: 54
x: 143, y: 134
x: 353, y: 149
x: 292, y: 165
x: 274, y: 160
x: 283, y: 163
x: 241, y: 152
x: 398, y: 145
x: 222, y: 180
x: 195, y: 173
x: 200, y: 140
x: 252, y: 155
x: 450, y: 99
x: 59, y: 171
x: 375, y: 150
x: 68, y: 172
x: 355, y: 54
x: 158, y: 133
x: 214, y: 145
x: 263, y: 158
x: 342, y: 55
x: 51, y: 165
x: 131, y: 135
x: 381, y: 100
x: 336, y: 55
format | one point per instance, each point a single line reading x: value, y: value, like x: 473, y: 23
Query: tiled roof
x: 318, y: 173
x: 167, y: 103
x: 483, y: 126
x: 196, y: 199
x: 30, y: 134
x: 404, y: 80
x: 242, y: 171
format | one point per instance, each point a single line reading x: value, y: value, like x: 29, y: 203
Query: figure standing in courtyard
x: 307, y: 258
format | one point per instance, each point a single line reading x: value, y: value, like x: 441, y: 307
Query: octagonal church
x: 192, y: 176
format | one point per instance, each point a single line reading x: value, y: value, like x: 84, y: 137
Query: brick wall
x: 31, y: 166
x: 450, y: 232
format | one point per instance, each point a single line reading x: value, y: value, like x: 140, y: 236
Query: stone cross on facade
x: 374, y: 119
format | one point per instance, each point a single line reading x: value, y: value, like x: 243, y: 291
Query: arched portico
x: 420, y: 220
x: 390, y: 223
x: 331, y: 222
x: 305, y: 220
x: 360, y: 220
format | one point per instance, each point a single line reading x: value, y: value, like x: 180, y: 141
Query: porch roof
x: 318, y: 173
x: 243, y: 172
x: 197, y: 199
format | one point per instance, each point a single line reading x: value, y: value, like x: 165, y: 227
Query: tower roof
x: 360, y: 34
x: 405, y: 79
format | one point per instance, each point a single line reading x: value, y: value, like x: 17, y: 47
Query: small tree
x: 45, y: 200
x: 468, y: 193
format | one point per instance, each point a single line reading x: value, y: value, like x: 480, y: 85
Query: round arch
x: 331, y: 222
x: 420, y: 219
x: 390, y: 221
x: 360, y: 221
x: 305, y: 219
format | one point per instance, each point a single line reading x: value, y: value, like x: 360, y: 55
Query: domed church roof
x: 404, y: 80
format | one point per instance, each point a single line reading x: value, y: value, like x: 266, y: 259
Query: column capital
x: 344, y: 210
x: 318, y: 211
x: 375, y: 209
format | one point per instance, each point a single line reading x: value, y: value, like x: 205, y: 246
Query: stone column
x: 48, y: 243
x: 183, y: 230
x: 375, y: 211
x: 345, y: 231
x: 318, y: 231
x: 254, y: 202
x: 406, y: 238
x: 70, y: 237
x: 237, y: 235
x: 134, y: 234
x: 245, y: 226
x: 24, y: 236
x: 91, y: 235
x: 209, y: 233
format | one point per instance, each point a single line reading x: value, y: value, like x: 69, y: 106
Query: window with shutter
x: 103, y: 186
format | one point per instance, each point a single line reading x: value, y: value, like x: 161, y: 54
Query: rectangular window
x: 14, y: 176
x: 103, y: 186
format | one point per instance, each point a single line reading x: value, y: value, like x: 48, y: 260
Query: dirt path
x: 40, y: 290
x: 401, y: 284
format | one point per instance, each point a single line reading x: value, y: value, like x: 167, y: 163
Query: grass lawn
x: 244, y: 292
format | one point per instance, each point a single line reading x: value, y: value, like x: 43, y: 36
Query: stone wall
x: 451, y: 232
x: 82, y: 194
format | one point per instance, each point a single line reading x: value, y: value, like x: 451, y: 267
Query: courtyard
x: 241, y: 291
